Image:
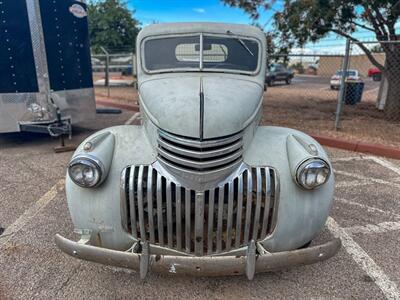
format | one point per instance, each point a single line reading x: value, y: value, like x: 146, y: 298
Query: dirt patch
x: 314, y: 112
x: 124, y: 95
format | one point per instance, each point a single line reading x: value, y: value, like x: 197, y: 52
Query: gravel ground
x: 366, y: 214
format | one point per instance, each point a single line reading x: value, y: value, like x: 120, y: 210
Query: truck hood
x: 174, y: 104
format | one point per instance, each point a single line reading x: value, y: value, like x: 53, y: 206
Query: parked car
x: 375, y: 73
x: 200, y: 188
x: 351, y: 76
x: 278, y: 72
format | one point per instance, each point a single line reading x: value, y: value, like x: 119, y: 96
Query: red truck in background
x: 375, y: 73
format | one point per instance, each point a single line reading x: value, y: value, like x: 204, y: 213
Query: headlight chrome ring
x: 86, y: 171
x: 313, y: 173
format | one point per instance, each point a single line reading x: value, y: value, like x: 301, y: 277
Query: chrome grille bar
x: 204, y: 154
x: 132, y: 199
x: 123, y: 193
x: 187, y: 221
x: 239, y: 211
x: 267, y: 203
x: 258, y: 204
x: 197, y: 143
x: 199, y: 155
x: 140, y: 203
x: 199, y: 223
x: 199, y: 164
x: 169, y: 214
x: 156, y: 208
x: 160, y: 223
x: 249, y: 201
x: 220, y: 220
x: 178, y: 211
x: 150, y: 204
x: 211, y: 199
x: 230, y: 217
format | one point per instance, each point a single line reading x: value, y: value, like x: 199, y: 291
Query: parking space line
x: 385, y: 163
x: 363, y: 260
x: 31, y: 212
x: 132, y: 119
x: 372, y: 180
x: 367, y: 207
x: 374, y: 228
x: 352, y: 183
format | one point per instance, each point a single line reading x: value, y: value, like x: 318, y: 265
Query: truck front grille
x: 194, y: 155
x: 163, y: 212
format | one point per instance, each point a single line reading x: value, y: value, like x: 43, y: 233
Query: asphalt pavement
x: 33, y: 208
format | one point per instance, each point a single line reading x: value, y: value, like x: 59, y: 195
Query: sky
x: 162, y: 11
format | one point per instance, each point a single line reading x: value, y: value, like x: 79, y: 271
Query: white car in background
x: 351, y: 76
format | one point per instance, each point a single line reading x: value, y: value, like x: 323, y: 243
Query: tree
x: 310, y: 20
x: 112, y: 26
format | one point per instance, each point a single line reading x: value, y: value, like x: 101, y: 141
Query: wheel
x: 332, y: 87
x: 288, y: 80
x: 270, y: 83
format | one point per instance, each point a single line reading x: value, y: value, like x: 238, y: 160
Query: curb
x: 376, y: 149
x: 118, y: 105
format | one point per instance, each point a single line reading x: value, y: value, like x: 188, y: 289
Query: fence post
x: 107, y: 71
x: 342, y: 92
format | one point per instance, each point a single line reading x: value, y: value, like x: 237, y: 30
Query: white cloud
x: 199, y: 10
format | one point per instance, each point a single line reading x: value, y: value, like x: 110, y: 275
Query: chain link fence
x: 307, y: 101
x: 114, y: 76
x: 371, y: 94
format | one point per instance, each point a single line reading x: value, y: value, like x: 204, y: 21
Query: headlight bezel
x: 308, y: 164
x: 89, y: 161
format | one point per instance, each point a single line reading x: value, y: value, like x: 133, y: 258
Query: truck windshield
x: 219, y: 53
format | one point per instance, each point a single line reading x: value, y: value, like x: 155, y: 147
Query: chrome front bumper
x: 200, y: 265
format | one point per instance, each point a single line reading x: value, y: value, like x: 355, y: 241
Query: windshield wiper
x: 241, y: 42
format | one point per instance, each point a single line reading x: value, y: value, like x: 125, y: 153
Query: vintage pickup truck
x: 200, y: 188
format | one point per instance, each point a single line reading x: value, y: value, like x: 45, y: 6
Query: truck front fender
x: 301, y: 213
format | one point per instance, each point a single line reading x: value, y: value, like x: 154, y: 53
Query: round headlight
x: 85, y: 172
x: 313, y: 173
